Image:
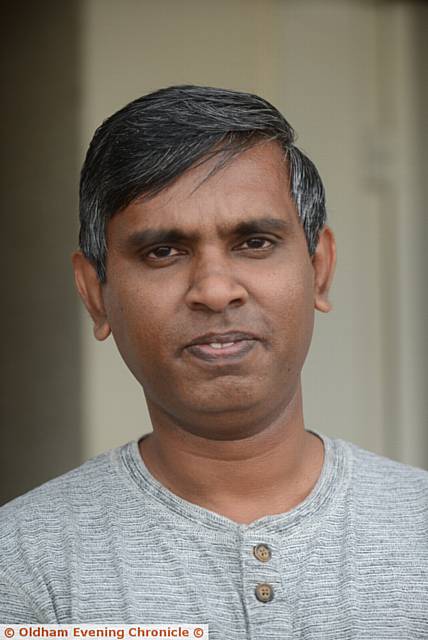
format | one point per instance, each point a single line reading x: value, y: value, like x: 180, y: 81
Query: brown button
x: 262, y: 552
x: 264, y: 592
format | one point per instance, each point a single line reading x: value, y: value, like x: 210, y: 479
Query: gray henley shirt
x: 107, y: 543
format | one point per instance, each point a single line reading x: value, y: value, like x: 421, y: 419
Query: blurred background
x: 350, y: 76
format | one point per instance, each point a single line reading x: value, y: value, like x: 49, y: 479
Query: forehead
x: 254, y: 184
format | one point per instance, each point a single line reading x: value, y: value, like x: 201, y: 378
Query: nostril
x: 216, y: 293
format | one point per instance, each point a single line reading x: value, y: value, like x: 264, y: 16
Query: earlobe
x: 90, y: 291
x: 102, y: 331
x: 324, y: 263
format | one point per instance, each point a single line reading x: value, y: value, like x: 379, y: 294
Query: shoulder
x: 40, y: 531
x: 67, y: 489
x: 387, y: 492
x: 36, y: 523
x: 384, y: 473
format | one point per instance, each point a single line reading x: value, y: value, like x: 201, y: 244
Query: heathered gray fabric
x: 107, y: 543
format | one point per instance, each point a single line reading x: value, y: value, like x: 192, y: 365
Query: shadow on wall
x: 40, y: 421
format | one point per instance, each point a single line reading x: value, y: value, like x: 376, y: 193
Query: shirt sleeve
x: 15, y: 606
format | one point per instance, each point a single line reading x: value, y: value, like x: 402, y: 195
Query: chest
x: 255, y: 586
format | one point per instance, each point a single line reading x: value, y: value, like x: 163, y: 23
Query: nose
x: 214, y: 286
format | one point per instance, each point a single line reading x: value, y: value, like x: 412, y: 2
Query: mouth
x: 226, y: 346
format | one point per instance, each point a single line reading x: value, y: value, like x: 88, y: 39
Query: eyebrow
x: 146, y: 237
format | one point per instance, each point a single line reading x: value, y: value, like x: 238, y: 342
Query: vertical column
x: 402, y: 55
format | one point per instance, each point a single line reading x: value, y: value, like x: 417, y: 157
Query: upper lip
x: 230, y: 336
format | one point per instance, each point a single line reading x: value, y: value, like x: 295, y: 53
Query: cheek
x: 293, y: 311
x: 145, y: 325
x: 138, y: 321
x: 290, y: 292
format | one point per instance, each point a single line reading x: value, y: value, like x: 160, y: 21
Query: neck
x: 244, y: 479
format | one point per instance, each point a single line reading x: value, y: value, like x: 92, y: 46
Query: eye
x: 257, y: 242
x: 160, y: 252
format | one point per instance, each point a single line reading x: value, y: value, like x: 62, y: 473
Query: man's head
x: 214, y: 230
x: 152, y: 141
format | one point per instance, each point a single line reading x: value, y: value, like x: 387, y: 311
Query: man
x: 204, y: 251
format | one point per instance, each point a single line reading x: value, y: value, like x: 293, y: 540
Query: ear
x: 90, y: 290
x: 324, y: 263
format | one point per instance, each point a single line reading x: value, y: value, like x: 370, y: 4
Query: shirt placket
x: 266, y: 608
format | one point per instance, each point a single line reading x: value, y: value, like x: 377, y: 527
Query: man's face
x: 228, y: 256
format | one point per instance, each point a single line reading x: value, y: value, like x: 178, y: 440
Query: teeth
x: 220, y: 345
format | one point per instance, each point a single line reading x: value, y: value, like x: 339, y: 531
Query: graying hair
x: 148, y: 144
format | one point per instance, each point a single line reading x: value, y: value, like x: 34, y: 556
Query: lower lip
x: 234, y: 352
